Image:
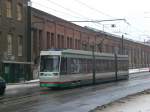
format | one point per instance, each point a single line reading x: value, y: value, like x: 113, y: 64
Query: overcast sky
x: 136, y: 12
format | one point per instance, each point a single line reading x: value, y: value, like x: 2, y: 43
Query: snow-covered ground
x: 135, y: 103
x: 138, y: 70
x: 26, y: 84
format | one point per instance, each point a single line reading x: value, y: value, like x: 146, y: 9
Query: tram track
x: 12, y: 100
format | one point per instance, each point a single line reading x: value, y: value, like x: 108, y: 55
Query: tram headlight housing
x: 55, y: 74
x: 41, y: 74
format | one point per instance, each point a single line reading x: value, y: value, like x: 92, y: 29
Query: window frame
x: 20, y: 45
x: 9, y: 44
x: 0, y: 7
x: 9, y: 8
x: 19, y: 11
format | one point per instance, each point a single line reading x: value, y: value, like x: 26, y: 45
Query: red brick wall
x: 68, y: 35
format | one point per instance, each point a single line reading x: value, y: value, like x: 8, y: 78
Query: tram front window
x: 49, y: 63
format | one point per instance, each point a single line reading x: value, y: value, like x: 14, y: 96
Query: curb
x: 28, y: 82
x: 138, y: 72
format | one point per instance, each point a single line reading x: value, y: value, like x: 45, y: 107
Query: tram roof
x: 78, y: 52
x: 82, y: 52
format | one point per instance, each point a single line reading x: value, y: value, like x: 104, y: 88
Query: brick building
x: 13, y: 40
x: 49, y: 32
x: 20, y: 45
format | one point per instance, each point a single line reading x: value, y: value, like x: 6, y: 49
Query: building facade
x: 25, y: 31
x: 13, y: 40
x: 49, y: 32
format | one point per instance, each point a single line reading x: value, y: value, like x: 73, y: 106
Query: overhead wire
x: 79, y: 17
x: 69, y: 10
x: 73, y: 13
x: 94, y: 9
x: 100, y: 12
x: 56, y: 10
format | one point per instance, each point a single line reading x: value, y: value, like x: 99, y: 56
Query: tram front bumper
x: 55, y: 84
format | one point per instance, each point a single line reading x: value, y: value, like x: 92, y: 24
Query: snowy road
x: 81, y: 99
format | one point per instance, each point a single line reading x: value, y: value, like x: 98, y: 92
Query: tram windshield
x: 49, y: 63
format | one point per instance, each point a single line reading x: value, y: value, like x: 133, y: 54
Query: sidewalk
x: 26, y: 84
x: 139, y: 102
x: 137, y: 70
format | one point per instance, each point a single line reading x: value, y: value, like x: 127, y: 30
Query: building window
x: 76, y: 44
x: 52, y: 40
x: 48, y: 40
x: 19, y: 12
x: 0, y: 41
x: 68, y: 42
x: 9, y: 8
x: 9, y: 43
x: 62, y: 41
x: 40, y: 40
x: 71, y: 43
x: 35, y: 41
x: 58, y: 41
x: 20, y: 45
x: 0, y: 7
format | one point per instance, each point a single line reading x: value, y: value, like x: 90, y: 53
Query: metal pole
x: 29, y: 58
x: 122, y: 45
x: 96, y: 21
x: 93, y: 54
x: 29, y: 33
x: 116, y: 67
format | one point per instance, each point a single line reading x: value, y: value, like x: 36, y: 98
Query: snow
x: 135, y: 103
x: 25, y: 84
x: 138, y: 70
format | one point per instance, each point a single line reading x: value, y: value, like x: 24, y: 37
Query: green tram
x: 65, y: 68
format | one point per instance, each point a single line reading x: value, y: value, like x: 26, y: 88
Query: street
x: 32, y: 98
x: 53, y: 54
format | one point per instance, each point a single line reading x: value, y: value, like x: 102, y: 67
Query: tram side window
x: 108, y: 66
x: 76, y: 65
x: 103, y: 65
x: 63, y: 66
x: 122, y: 65
x: 119, y: 65
x: 112, y: 65
x: 90, y: 65
x: 73, y: 66
x: 98, y: 66
x: 125, y: 65
x: 81, y: 65
x: 84, y: 65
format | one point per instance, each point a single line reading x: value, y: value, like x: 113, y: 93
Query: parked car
x: 2, y: 86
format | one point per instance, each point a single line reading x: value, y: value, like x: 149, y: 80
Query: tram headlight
x: 55, y: 74
x: 41, y: 74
